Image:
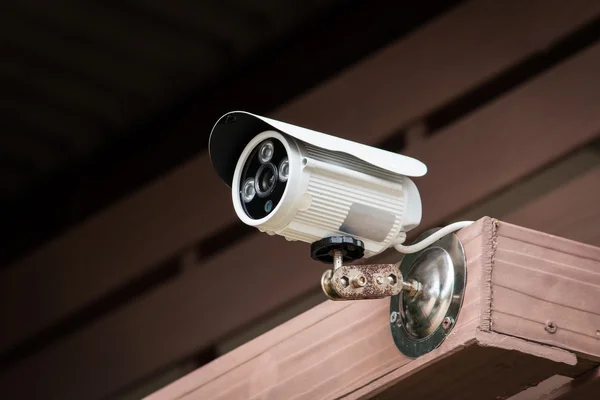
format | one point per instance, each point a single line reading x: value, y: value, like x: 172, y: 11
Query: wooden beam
x: 586, y: 387
x: 577, y: 203
x: 558, y: 387
x: 542, y: 388
x: 536, y: 185
x: 452, y: 54
x: 346, y: 350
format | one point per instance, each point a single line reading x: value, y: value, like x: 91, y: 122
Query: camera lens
x: 248, y: 190
x: 265, y: 153
x: 261, y: 186
x: 284, y: 170
x: 265, y: 179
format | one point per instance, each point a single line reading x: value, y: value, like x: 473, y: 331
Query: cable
x: 413, y: 248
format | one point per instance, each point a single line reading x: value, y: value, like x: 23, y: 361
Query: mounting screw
x: 359, y: 281
x: 447, y: 323
x: 550, y: 327
x: 411, y: 287
x: 379, y: 280
x: 395, y: 318
x: 338, y: 259
x: 344, y: 281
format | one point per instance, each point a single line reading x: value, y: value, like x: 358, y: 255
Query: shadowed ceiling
x: 98, y: 96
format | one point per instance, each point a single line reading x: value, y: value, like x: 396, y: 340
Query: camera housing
x: 306, y: 185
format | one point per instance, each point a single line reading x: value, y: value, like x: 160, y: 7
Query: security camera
x: 347, y: 199
x: 309, y: 186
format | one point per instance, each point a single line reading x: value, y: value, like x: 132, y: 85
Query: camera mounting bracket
x: 357, y: 282
x: 426, y: 288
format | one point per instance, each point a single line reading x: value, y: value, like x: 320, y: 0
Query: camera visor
x: 261, y: 184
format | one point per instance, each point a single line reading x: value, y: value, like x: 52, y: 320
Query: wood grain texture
x: 474, y: 373
x: 570, y: 211
x: 541, y: 278
x: 164, y: 218
x: 350, y: 352
x: 510, y: 149
x: 586, y: 387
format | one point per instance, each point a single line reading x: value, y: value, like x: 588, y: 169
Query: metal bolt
x: 550, y: 327
x: 447, y: 323
x: 412, y: 287
x: 359, y: 281
x: 394, y: 317
x: 379, y: 280
x: 344, y: 281
x: 392, y: 279
x: 338, y: 258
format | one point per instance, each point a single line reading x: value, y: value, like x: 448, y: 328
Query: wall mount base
x: 420, y: 322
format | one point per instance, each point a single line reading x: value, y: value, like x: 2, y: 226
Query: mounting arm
x: 359, y: 282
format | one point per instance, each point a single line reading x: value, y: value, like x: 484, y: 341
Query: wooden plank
x: 542, y: 388
x: 577, y: 203
x: 75, y: 269
x: 536, y: 185
x: 350, y: 353
x: 586, y: 387
x: 514, y: 134
x: 482, y: 372
x: 402, y: 83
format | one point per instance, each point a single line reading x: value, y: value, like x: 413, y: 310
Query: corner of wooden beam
x: 541, y: 288
x: 535, y: 288
x: 501, y: 341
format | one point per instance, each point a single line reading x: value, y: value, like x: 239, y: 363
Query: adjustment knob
x: 351, y: 248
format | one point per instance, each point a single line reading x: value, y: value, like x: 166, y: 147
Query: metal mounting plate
x: 420, y: 323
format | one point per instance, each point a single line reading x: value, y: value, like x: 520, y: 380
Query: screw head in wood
x: 550, y: 327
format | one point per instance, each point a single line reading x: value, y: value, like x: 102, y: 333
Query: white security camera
x: 307, y: 186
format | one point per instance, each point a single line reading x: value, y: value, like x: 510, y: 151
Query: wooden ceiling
x: 78, y: 75
x: 117, y: 262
